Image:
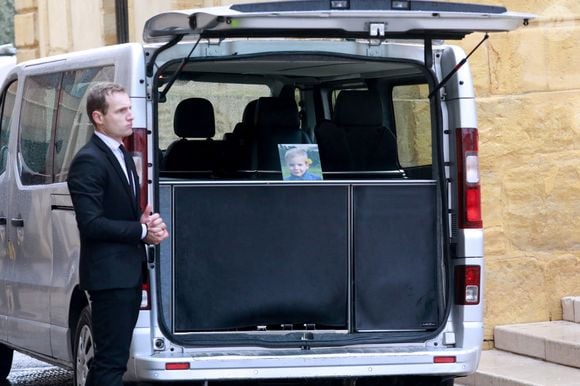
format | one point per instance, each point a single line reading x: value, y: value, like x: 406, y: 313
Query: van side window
x: 412, y: 114
x: 36, y: 122
x: 6, y: 111
x: 73, y: 128
x: 44, y: 154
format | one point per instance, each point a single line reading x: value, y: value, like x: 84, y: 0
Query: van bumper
x: 314, y: 363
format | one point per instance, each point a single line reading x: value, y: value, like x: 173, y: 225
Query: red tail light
x: 177, y: 366
x: 145, y: 296
x: 444, y: 359
x: 467, y: 284
x: 469, y: 205
x: 136, y: 144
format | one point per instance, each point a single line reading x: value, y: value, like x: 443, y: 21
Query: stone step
x: 557, y: 341
x: 500, y: 368
x: 571, y: 308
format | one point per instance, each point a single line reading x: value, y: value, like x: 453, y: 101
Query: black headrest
x: 250, y: 113
x: 245, y: 128
x: 194, y: 118
x: 277, y: 113
x: 358, y: 108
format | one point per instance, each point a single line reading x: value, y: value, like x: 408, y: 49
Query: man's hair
x: 97, y: 97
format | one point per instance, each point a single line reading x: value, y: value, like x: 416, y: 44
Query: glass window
x: 6, y: 111
x: 413, y: 124
x: 36, y: 122
x: 73, y: 128
x: 228, y: 100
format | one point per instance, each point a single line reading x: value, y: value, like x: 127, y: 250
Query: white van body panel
x: 283, y: 365
x: 38, y: 317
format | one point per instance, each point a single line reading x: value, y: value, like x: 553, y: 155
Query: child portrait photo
x: 300, y: 162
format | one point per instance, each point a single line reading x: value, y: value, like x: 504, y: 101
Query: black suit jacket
x: 107, y: 214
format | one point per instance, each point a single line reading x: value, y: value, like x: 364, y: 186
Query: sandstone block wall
x: 528, y: 87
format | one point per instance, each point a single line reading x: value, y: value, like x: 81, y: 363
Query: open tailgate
x: 401, y: 19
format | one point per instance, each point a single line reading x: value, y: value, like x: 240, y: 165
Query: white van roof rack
x: 401, y: 19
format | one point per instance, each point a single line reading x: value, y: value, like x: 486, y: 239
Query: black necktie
x: 129, y: 166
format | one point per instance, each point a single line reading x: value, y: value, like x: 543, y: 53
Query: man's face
x: 117, y: 123
x: 298, y: 166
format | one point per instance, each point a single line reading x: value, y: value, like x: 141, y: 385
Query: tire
x: 84, y: 351
x: 6, y: 355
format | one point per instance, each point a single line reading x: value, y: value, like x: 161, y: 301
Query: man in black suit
x: 104, y: 188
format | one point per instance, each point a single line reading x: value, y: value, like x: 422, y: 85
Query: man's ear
x: 97, y: 117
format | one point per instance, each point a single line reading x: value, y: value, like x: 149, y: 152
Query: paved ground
x: 30, y: 372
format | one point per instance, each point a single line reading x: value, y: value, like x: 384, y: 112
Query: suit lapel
x: 120, y: 173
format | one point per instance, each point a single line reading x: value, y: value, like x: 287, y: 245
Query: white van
x: 369, y: 274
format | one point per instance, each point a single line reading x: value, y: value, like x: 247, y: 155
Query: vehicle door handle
x: 17, y: 222
x: 2, y: 220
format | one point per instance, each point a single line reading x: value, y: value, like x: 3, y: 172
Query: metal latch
x: 377, y: 29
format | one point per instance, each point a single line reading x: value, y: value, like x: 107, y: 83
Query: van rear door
x: 407, y: 19
x: 228, y: 235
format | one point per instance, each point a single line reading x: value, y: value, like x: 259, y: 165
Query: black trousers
x: 114, y: 315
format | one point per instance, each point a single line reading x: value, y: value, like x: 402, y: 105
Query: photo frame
x: 300, y: 162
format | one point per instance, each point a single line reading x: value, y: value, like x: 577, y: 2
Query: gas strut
x: 457, y: 67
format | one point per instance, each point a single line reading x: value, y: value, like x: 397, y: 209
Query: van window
x: 42, y: 158
x: 412, y: 124
x: 6, y: 110
x: 73, y: 128
x: 228, y: 101
x: 36, y: 117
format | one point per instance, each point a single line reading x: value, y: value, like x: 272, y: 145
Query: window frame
x: 5, y: 124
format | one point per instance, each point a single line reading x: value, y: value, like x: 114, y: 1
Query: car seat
x: 277, y: 122
x: 193, y: 119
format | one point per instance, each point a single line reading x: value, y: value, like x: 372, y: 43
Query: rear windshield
x: 321, y: 123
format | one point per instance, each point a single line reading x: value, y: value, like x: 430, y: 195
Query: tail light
x: 467, y: 284
x: 469, y: 189
x: 444, y: 359
x: 177, y: 366
x: 145, y: 295
x: 136, y: 144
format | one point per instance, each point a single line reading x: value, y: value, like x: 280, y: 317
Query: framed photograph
x: 300, y: 162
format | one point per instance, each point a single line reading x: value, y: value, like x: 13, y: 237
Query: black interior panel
x: 395, y: 257
x: 257, y: 255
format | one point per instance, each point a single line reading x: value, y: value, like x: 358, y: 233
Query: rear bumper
x: 315, y: 363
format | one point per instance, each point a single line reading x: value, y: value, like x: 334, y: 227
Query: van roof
x: 407, y: 19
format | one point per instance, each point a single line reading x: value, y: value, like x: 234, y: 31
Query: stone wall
x: 528, y: 87
x: 51, y: 27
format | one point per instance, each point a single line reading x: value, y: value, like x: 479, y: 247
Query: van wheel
x: 6, y: 355
x: 84, y: 350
